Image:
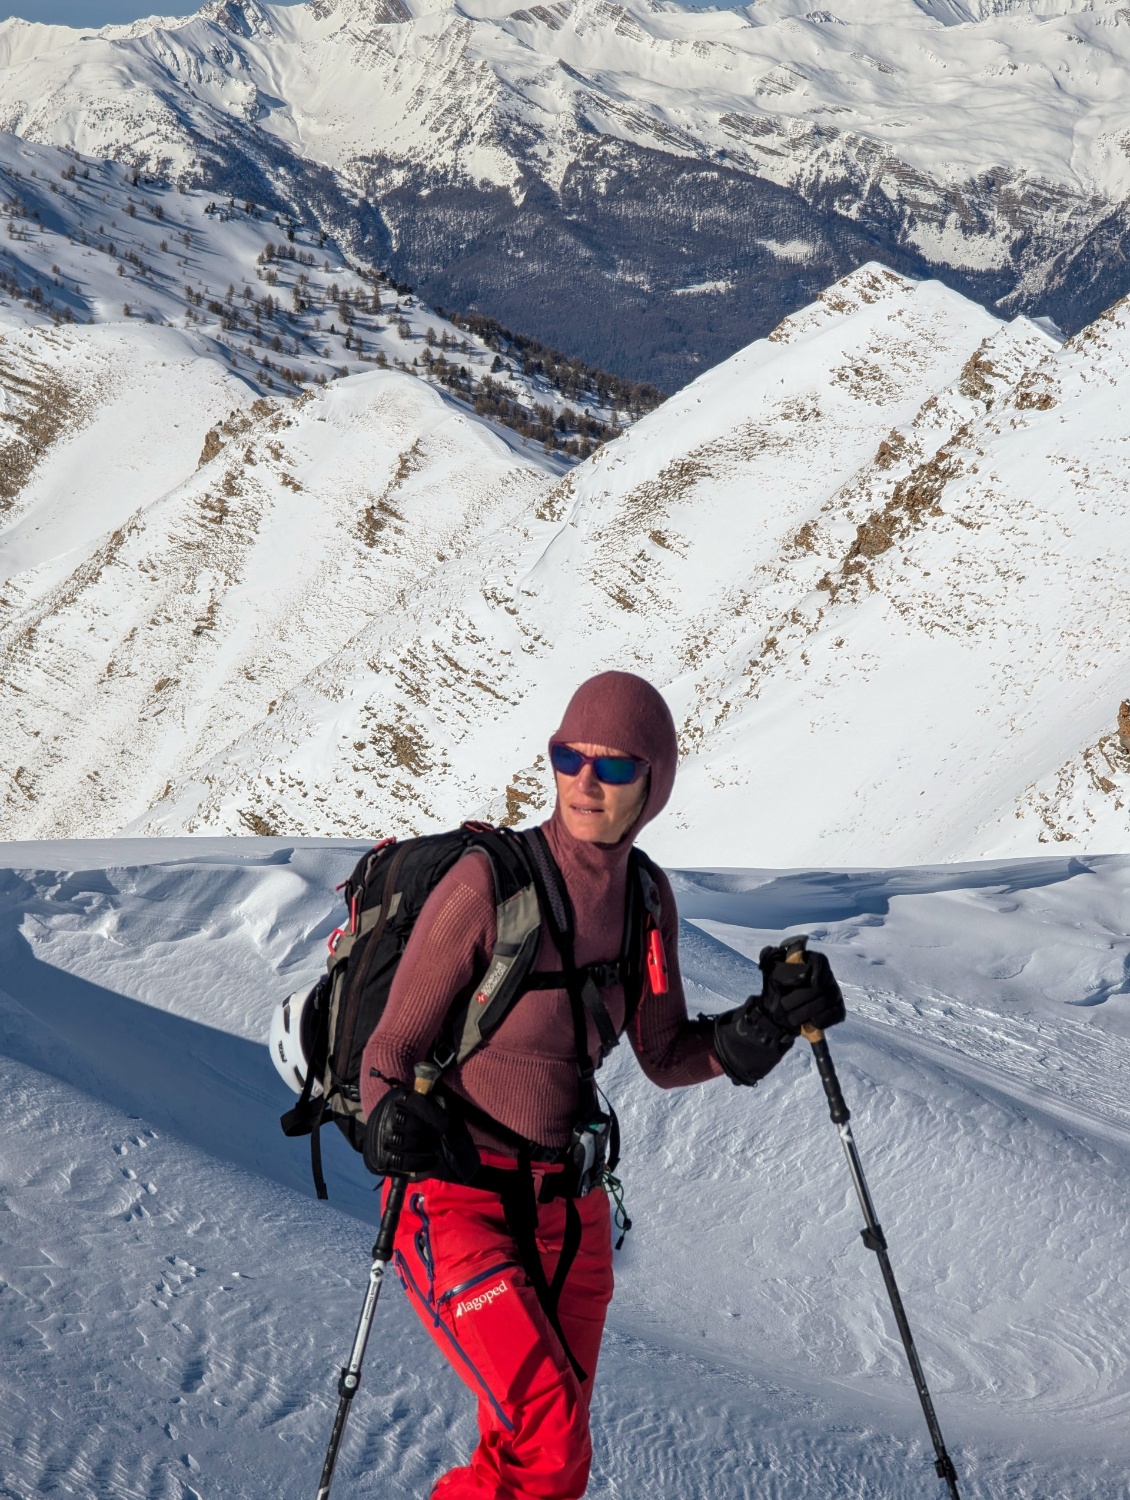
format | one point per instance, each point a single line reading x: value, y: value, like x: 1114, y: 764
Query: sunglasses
x: 613, y: 770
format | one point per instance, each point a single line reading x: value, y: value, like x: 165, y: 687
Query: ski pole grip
x: 793, y: 948
x: 795, y: 954
x: 837, y: 1108
x: 382, y: 1250
x: 427, y: 1075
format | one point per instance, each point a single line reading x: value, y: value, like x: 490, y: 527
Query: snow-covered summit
x: 1039, y: 80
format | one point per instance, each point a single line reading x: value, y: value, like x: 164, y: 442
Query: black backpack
x: 384, y: 897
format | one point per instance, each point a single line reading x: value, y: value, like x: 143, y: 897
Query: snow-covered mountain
x: 279, y: 303
x: 694, y: 174
x: 876, y: 563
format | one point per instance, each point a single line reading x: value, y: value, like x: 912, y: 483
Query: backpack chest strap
x: 603, y: 975
x: 593, y: 978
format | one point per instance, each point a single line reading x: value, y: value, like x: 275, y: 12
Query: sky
x: 101, y: 12
x: 118, y: 12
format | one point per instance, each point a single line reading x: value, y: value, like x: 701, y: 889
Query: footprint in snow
x: 185, y: 1267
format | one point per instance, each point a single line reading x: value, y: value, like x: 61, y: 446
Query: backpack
x: 384, y: 897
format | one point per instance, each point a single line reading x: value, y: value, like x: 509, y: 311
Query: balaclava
x: 624, y: 712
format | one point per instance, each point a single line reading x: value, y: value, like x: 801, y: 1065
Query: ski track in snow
x: 175, y: 1305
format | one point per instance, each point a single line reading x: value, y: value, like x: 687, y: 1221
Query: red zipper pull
x: 656, y: 962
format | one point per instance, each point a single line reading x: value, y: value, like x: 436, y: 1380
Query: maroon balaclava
x: 624, y: 712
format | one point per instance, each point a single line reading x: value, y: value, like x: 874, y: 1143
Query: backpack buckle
x: 603, y: 975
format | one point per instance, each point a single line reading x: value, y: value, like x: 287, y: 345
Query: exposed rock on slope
x: 862, y: 558
x: 194, y: 608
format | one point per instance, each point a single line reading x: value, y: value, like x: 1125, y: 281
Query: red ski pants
x: 458, y: 1263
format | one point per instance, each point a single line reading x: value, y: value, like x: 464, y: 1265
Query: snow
x: 1037, y: 87
x: 175, y: 1305
x: 871, y: 560
x: 875, y: 563
x: 86, y: 243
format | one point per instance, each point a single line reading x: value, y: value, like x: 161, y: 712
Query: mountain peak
x: 246, y: 18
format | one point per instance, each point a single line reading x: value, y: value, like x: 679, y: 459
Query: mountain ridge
x: 860, y: 558
x: 497, y: 158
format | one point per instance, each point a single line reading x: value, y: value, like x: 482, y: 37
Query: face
x: 592, y: 811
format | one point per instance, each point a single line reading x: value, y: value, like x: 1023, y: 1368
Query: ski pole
x: 872, y: 1235
x: 350, y: 1378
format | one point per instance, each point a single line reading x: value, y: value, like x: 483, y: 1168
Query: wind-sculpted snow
x: 874, y: 563
x: 175, y: 1305
x: 696, y: 174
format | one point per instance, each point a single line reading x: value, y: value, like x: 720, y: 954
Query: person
x: 518, y: 1305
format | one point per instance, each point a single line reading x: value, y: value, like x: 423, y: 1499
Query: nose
x: 587, y: 782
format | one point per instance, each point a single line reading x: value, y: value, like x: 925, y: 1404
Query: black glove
x: 748, y: 1043
x: 418, y: 1135
x: 796, y: 995
x: 752, y: 1039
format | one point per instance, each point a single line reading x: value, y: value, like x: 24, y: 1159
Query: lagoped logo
x: 482, y: 1299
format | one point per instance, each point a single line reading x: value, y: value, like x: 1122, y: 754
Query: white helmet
x: 292, y: 1037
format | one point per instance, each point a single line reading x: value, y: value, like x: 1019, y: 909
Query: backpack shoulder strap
x: 646, y: 873
x: 584, y: 995
x: 643, y: 910
x: 517, y: 938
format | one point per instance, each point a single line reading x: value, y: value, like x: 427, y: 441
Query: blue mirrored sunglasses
x: 613, y: 770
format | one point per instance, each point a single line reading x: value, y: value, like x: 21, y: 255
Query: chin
x: 587, y: 832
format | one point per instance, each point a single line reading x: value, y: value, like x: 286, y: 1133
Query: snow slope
x: 875, y: 563
x: 175, y: 1305
x: 279, y: 303
x: 185, y: 601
